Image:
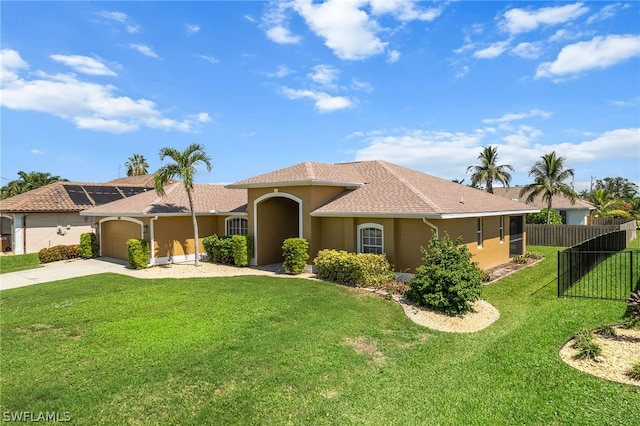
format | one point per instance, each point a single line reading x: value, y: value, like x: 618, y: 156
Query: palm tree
x: 137, y: 165
x: 488, y: 172
x: 183, y: 167
x: 27, y: 182
x: 549, y: 175
x: 605, y: 204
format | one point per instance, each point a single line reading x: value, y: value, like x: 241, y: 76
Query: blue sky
x: 265, y: 85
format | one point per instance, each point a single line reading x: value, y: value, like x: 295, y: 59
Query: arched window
x: 237, y: 226
x: 370, y: 238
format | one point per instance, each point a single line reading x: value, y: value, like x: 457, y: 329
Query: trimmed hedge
x: 139, y: 253
x: 295, y: 252
x: 57, y: 253
x: 229, y: 250
x: 361, y: 269
x: 88, y: 245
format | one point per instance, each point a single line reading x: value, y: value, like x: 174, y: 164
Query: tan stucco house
x: 367, y: 206
x: 50, y: 215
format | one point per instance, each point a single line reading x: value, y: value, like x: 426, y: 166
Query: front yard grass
x: 18, y: 262
x: 111, y: 349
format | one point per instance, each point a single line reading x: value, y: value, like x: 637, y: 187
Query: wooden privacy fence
x: 571, y: 235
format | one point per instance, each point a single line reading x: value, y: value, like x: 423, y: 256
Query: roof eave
x: 425, y: 215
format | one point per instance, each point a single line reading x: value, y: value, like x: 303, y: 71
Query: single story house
x: 49, y: 215
x: 572, y: 214
x: 165, y: 221
x: 367, y: 206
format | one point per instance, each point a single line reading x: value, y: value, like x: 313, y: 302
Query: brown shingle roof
x: 207, y: 199
x: 142, y: 180
x: 381, y: 188
x: 62, y: 197
x: 558, y: 201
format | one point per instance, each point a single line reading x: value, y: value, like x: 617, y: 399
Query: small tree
x: 88, y: 245
x: 448, y: 280
x: 541, y: 217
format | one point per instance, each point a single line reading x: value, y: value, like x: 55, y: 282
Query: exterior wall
x: 42, y: 230
x: 173, y: 236
x: 577, y: 217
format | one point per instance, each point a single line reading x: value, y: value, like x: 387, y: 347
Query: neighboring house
x: 572, y: 214
x: 49, y: 215
x: 166, y: 222
x: 369, y: 206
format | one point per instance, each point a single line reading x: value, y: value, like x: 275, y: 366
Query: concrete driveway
x: 62, y: 270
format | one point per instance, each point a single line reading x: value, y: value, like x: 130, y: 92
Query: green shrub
x: 634, y: 372
x: 533, y: 255
x: 541, y: 217
x: 519, y: 259
x: 447, y: 281
x: 57, y: 253
x: 229, y: 250
x: 295, y: 252
x: 362, y: 270
x: 139, y: 253
x: 585, y: 345
x: 88, y: 248
x: 219, y: 249
x: 241, y: 248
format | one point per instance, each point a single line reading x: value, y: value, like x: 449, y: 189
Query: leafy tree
x: 137, y: 165
x: 448, y: 280
x: 184, y: 167
x: 488, y: 171
x: 549, y: 175
x: 541, y: 217
x: 27, y: 182
x: 606, y: 205
x: 618, y: 187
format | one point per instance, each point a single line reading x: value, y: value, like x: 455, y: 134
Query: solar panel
x: 77, y: 195
x: 103, y: 194
x: 132, y: 190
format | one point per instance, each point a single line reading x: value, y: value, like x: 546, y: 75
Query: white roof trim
x: 424, y: 215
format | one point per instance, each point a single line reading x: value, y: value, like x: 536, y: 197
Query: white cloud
x: 362, y: 86
x: 84, y: 64
x: 493, y: 51
x: 37, y: 151
x: 614, y: 144
x: 145, y: 50
x: 325, y: 75
x: 527, y: 50
x: 121, y: 18
x: 281, y: 35
x: 282, y: 71
x: 209, y: 58
x: 404, y: 10
x: 323, y: 101
x: 192, y: 29
x: 517, y: 116
x: 88, y: 105
x: 393, y: 56
x: 516, y: 21
x: 250, y: 18
x: 608, y: 11
x: 597, y: 53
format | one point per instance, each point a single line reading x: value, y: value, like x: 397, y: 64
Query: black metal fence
x: 598, y: 268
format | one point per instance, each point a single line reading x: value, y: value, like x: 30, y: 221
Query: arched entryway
x: 114, y: 233
x: 278, y: 216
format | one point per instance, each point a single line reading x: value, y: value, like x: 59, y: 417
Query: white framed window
x: 479, y: 231
x: 502, y: 229
x: 370, y: 238
x: 237, y: 226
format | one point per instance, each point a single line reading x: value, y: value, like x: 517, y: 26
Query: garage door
x: 115, y: 234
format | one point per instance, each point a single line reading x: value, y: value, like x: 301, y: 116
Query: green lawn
x: 19, y: 262
x: 111, y: 349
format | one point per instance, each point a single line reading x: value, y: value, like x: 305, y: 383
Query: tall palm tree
x: 137, y: 165
x: 184, y: 167
x: 27, y: 182
x: 549, y: 175
x: 488, y: 171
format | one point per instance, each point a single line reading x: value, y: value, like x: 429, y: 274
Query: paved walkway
x: 60, y: 271
x: 82, y: 267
